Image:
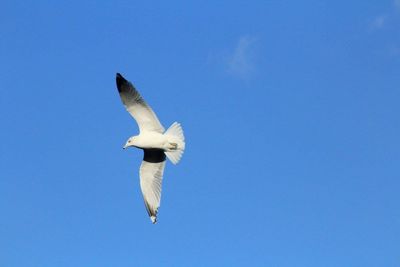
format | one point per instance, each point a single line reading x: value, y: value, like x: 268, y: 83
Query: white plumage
x: 151, y: 175
x: 156, y: 144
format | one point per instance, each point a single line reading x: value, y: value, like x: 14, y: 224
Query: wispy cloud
x: 241, y: 61
x: 397, y: 4
x: 394, y: 50
x: 378, y: 22
x: 385, y: 24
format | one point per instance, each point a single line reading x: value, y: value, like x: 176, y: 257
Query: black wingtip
x: 119, y: 77
x: 120, y: 80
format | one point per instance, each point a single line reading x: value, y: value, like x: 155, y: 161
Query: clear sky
x: 290, y: 111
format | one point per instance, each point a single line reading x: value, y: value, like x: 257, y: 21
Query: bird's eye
x: 129, y: 141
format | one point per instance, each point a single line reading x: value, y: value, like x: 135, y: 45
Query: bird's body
x: 157, y: 144
x: 150, y: 140
x: 153, y: 140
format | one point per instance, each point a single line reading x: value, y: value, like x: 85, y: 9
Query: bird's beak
x: 125, y: 146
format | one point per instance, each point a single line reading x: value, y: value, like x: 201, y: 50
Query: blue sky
x: 290, y: 111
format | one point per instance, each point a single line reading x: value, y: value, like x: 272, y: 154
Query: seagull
x: 156, y: 143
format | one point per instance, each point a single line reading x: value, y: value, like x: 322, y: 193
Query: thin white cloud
x: 378, y: 22
x: 397, y: 4
x: 241, y: 61
x: 394, y: 50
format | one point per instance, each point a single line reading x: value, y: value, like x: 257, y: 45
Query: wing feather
x: 137, y: 107
x: 151, y: 175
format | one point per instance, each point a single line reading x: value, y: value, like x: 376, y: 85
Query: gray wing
x: 151, y: 175
x: 137, y: 107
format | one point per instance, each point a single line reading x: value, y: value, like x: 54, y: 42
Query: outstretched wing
x: 151, y: 175
x: 137, y: 107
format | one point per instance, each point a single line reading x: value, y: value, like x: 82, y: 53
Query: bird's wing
x: 151, y: 175
x: 137, y: 107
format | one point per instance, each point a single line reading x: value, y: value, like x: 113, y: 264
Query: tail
x: 175, y: 132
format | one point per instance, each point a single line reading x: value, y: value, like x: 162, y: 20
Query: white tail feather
x: 175, y: 133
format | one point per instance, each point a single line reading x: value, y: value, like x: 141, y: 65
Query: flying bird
x: 156, y: 143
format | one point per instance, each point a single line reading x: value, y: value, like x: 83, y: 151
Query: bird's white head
x: 131, y: 142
